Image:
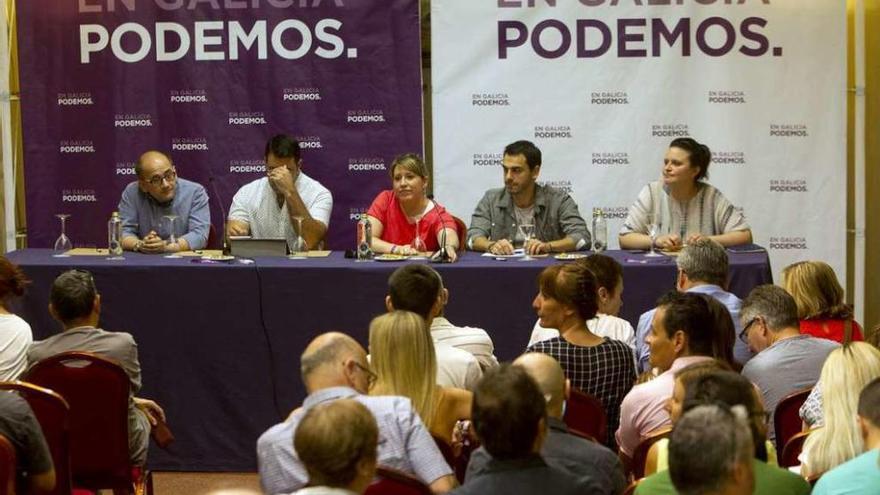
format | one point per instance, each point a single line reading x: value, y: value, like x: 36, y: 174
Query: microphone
x: 441, y: 256
x: 222, y: 211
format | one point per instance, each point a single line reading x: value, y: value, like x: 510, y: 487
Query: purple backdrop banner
x: 209, y: 81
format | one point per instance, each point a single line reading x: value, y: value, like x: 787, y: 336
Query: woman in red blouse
x: 395, y: 213
x: 821, y: 308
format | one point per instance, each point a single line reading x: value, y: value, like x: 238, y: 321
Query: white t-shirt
x: 456, y: 368
x: 602, y: 325
x: 256, y: 203
x: 15, y: 338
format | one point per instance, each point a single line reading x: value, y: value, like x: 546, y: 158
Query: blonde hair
x: 815, y: 290
x: 845, y: 373
x: 402, y: 355
x: 411, y: 162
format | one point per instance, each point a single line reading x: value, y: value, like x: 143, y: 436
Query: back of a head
x: 869, y: 403
x: 704, y: 261
x: 816, y: 290
x: 572, y: 284
x: 689, y: 313
x: 403, y: 357
x: 283, y: 146
x: 328, y: 349
x: 606, y: 269
x: 705, y: 447
x: 333, y: 439
x: 507, y: 411
x: 772, y: 303
x: 73, y: 295
x: 12, y: 280
x: 548, y: 375
x: 414, y: 288
x: 527, y: 149
x: 725, y: 331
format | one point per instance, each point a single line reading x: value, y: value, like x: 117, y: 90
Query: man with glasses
x: 786, y: 360
x: 157, y: 194
x: 334, y: 366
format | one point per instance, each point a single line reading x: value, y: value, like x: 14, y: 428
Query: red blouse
x: 830, y: 329
x: 396, y: 227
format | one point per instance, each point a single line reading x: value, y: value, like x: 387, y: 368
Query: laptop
x: 248, y: 247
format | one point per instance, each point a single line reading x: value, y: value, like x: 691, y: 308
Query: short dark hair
x: 572, y: 284
x: 507, y: 411
x: 12, y: 279
x: 414, y: 288
x: 689, y: 313
x: 73, y: 295
x: 774, y: 304
x: 699, y: 154
x: 283, y: 146
x: 869, y: 402
x: 332, y: 438
x: 526, y: 149
x: 607, y: 270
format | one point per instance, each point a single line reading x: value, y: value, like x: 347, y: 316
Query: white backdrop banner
x: 603, y: 86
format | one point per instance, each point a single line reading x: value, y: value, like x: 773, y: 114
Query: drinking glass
x: 528, y: 231
x: 298, y: 248
x: 63, y: 244
x: 418, y: 243
x: 171, y: 238
x: 653, y: 230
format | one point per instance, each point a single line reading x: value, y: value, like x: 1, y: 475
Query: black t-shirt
x: 20, y: 427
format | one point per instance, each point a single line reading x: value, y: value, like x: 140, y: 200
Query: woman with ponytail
x: 684, y: 207
x: 15, y: 333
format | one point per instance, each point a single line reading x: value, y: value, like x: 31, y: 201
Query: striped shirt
x: 708, y: 213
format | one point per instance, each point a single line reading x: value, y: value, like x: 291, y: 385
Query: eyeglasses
x: 168, y: 176
x: 371, y: 375
x: 744, y: 335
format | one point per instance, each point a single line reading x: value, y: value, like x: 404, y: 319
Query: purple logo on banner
x: 209, y: 83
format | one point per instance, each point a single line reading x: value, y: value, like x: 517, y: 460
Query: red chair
x: 461, y: 230
x: 585, y: 416
x: 52, y: 413
x: 7, y: 467
x: 392, y: 482
x: 97, y: 390
x: 786, y: 418
x: 640, y: 456
x: 793, y: 449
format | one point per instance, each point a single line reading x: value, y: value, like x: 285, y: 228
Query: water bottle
x: 364, y: 239
x: 600, y: 231
x: 114, y: 235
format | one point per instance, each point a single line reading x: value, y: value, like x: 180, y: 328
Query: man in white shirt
x: 470, y: 339
x: 418, y: 288
x: 270, y: 207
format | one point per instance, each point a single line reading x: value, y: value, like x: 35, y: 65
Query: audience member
x: 558, y: 225
x: 865, y: 368
x: 724, y: 333
x: 787, y: 361
x: 75, y: 302
x: 15, y: 333
x: 470, y: 339
x: 609, y: 277
x: 269, y: 207
x: 703, y: 269
x: 596, y: 365
x: 403, y: 356
x: 510, y: 420
x: 729, y: 389
x: 159, y: 192
x: 418, y: 288
x: 710, y: 453
x: 681, y: 335
x: 336, y: 442
x: 334, y: 366
x: 596, y: 467
x: 859, y: 476
x: 821, y: 307
x: 396, y: 213
x: 845, y: 373
x: 35, y: 472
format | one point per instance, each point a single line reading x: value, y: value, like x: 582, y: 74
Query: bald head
x: 151, y: 159
x: 549, y: 376
x: 320, y: 363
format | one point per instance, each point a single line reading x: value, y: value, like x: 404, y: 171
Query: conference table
x: 219, y: 343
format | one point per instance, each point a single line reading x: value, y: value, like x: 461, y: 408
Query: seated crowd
x: 689, y: 396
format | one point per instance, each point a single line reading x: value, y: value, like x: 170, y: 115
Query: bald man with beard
x: 596, y: 467
x: 334, y: 366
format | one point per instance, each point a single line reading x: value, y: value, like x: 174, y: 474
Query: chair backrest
x: 52, y: 412
x: 97, y: 391
x: 7, y: 467
x: 640, y: 455
x: 585, y: 415
x: 793, y: 449
x: 786, y: 418
x: 392, y: 482
x: 457, y: 458
x: 461, y: 229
